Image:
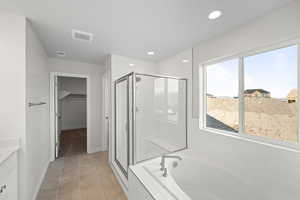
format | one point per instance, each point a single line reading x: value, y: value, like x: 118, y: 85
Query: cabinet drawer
x: 9, y: 187
x: 9, y: 179
x: 8, y: 165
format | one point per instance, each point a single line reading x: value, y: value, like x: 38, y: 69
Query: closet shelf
x: 66, y: 94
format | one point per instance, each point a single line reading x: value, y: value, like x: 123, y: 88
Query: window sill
x: 284, y: 145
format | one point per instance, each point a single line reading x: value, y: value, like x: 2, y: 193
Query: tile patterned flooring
x: 80, y: 176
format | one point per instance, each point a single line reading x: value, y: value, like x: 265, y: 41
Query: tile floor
x: 80, y: 176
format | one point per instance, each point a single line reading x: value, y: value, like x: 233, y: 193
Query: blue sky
x: 275, y: 71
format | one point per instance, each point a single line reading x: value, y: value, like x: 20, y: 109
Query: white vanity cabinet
x: 9, y: 178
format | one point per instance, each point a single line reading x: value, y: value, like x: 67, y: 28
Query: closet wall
x: 72, y: 102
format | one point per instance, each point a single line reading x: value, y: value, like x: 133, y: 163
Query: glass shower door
x: 160, y: 116
x: 122, y: 124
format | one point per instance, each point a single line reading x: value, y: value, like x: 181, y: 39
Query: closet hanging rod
x: 36, y: 104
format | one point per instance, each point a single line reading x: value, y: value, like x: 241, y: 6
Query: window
x: 222, y: 96
x: 254, y: 95
x: 271, y: 94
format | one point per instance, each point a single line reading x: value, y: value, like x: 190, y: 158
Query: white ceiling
x: 132, y: 27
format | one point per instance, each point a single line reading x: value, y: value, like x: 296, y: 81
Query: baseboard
x: 41, y: 181
x: 73, y: 128
x: 96, y: 149
x: 119, y: 179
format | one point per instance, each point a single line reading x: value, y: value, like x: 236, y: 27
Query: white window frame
x: 241, y: 133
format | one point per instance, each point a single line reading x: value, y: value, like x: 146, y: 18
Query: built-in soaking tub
x: 196, y: 178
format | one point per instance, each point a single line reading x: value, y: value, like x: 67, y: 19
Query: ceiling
x: 132, y: 27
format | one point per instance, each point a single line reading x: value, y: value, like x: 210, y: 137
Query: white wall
x: 120, y: 66
x: 73, y: 109
x: 95, y: 72
x: 12, y: 83
x: 73, y: 113
x: 269, y: 167
x: 12, y: 70
x: 37, y: 118
x: 24, y: 79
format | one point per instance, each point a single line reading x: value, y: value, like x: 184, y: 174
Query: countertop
x: 7, y: 148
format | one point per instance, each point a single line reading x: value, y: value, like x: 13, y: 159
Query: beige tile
x: 121, y: 196
x: 50, y: 184
x: 71, y: 175
x: 79, y: 176
x: 111, y: 194
x: 85, y: 171
x: 57, y: 164
x: 90, y: 187
x: 53, y: 173
x: 92, y: 193
x: 88, y: 180
x: 104, y: 170
x: 69, y: 191
x: 47, y: 195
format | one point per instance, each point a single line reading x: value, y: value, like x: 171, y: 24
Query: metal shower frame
x: 131, y: 128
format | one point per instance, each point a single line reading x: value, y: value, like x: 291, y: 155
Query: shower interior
x: 150, y: 117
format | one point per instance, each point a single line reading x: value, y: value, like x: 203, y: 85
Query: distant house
x: 257, y: 93
x: 210, y: 95
x: 292, y: 96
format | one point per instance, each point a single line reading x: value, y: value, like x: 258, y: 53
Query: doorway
x: 69, y: 109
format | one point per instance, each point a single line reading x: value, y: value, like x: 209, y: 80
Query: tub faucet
x: 163, y: 163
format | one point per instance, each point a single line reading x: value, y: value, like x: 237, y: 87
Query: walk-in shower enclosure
x: 150, y: 117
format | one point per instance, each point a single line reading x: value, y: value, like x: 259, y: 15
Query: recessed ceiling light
x: 214, y: 14
x: 185, y: 61
x: 131, y: 64
x: 150, y: 53
x: 60, y: 53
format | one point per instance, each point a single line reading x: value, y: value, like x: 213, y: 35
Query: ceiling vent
x: 60, y: 53
x: 82, y: 36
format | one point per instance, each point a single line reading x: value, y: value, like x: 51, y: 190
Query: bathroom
x: 197, y: 101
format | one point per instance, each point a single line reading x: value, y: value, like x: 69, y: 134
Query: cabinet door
x: 8, y: 183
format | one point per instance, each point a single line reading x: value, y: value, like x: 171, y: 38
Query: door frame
x: 52, y: 109
x: 106, y: 110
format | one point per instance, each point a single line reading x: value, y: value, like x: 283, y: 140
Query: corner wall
x: 119, y: 66
x: 37, y: 151
x: 12, y: 85
x: 12, y: 70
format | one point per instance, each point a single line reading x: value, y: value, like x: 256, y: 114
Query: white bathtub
x: 192, y: 179
x: 203, y: 180
x: 196, y: 178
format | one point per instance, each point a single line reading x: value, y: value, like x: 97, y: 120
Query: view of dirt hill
x: 267, y: 117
